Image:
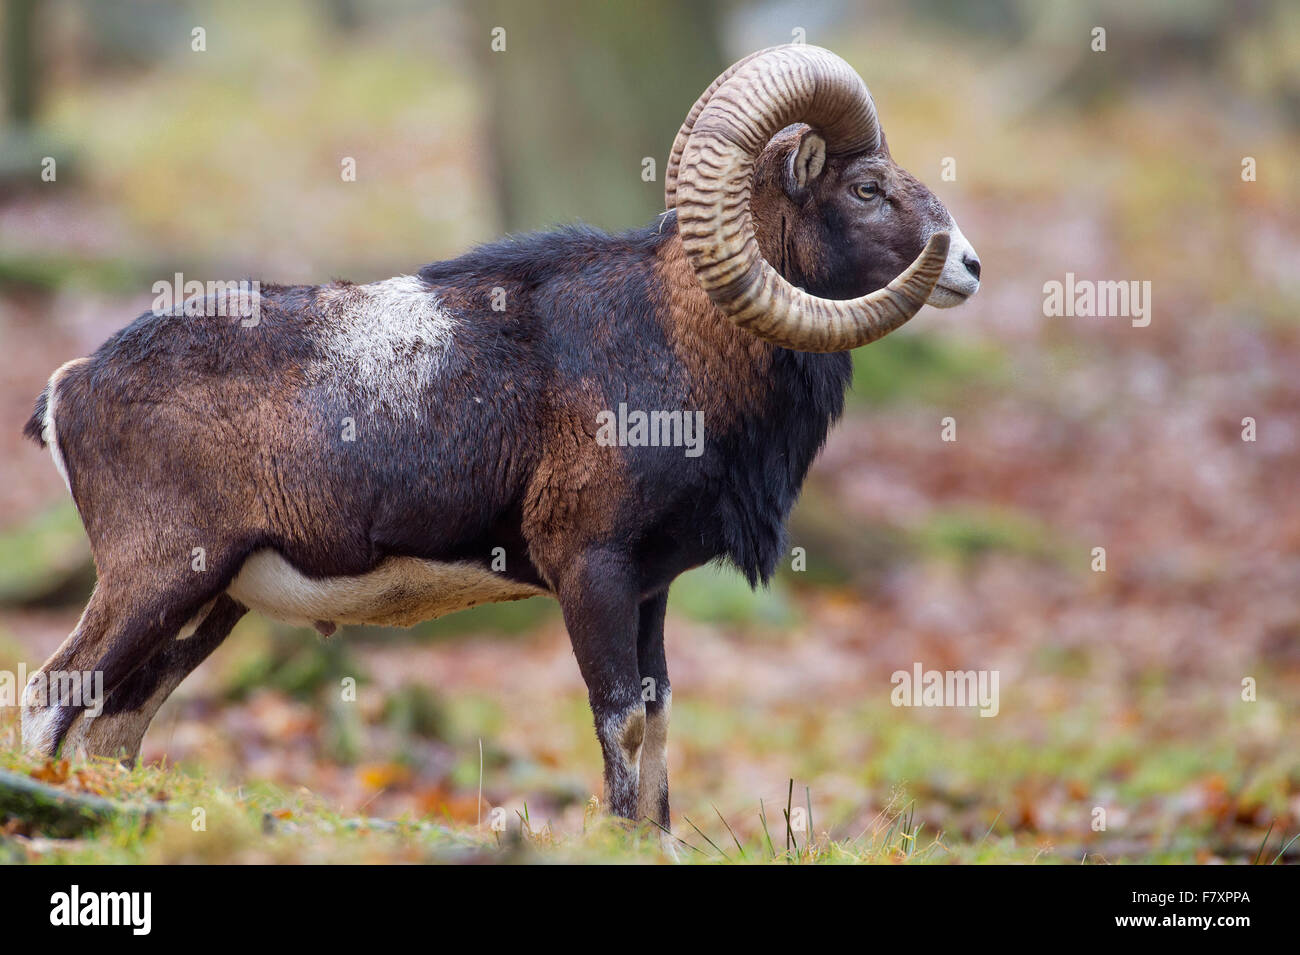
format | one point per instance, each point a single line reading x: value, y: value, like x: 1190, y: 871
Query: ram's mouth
x: 945, y: 296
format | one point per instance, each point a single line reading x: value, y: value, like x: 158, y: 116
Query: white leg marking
x: 627, y: 732
x: 38, y: 724
x: 654, y: 761
x: 192, y: 625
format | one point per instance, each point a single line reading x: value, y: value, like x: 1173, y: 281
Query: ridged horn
x: 683, y: 134
x: 710, y: 186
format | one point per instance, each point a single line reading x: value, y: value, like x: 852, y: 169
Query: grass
x: 193, y: 820
x: 891, y: 789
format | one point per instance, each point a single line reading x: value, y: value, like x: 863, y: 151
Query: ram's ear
x: 806, y: 162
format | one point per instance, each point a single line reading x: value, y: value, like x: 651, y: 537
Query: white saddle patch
x: 400, y: 592
x: 386, y: 343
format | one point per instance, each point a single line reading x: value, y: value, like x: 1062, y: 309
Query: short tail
x: 35, y: 427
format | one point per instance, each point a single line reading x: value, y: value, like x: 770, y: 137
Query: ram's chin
x: 942, y: 297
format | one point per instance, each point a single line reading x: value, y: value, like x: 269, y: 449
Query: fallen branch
x: 56, y: 811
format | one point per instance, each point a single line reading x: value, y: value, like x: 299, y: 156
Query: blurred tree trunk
x: 20, y: 55
x: 583, y: 92
x: 23, y: 145
x: 344, y: 15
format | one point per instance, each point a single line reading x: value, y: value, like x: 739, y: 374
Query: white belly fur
x: 400, y: 592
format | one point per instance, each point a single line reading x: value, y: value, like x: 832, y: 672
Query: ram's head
x: 782, y: 160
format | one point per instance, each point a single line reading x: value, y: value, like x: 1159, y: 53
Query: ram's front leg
x: 599, y: 599
x: 658, y: 695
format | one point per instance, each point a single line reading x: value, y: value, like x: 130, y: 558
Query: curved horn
x: 688, y: 125
x: 752, y: 102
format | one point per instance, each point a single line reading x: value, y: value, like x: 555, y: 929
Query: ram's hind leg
x: 127, y: 712
x: 45, y: 721
x: 124, y: 627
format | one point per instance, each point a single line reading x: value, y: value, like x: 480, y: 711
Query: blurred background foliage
x: 1119, y: 687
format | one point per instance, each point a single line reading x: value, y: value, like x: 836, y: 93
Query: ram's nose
x: 960, y: 278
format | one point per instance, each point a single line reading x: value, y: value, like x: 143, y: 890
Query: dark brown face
x: 841, y: 227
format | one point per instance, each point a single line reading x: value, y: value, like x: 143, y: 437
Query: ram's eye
x: 867, y: 190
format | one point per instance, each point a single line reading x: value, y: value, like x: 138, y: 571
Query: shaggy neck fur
x: 779, y: 405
